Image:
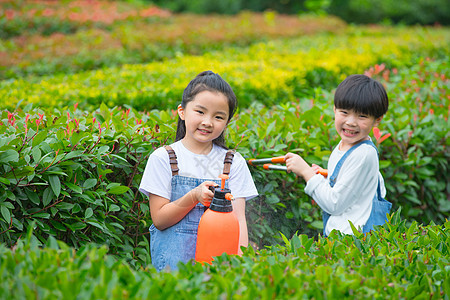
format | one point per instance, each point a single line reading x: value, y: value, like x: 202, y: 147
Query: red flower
x: 378, y: 137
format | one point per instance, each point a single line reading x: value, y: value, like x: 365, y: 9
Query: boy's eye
x: 199, y: 111
x: 219, y: 117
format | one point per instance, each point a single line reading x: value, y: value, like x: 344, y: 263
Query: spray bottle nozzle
x: 223, y: 177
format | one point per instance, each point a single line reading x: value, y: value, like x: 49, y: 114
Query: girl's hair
x: 363, y: 95
x: 212, y: 82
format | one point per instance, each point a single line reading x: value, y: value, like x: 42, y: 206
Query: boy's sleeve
x: 357, y: 178
x: 241, y: 182
x: 157, y: 175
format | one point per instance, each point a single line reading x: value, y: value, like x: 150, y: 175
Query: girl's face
x: 206, y: 117
x: 353, y: 127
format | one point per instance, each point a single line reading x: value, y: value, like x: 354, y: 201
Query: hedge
x: 396, y: 261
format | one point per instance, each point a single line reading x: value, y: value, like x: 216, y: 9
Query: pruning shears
x: 268, y: 164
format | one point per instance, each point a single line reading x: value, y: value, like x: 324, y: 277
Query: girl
x: 177, y: 178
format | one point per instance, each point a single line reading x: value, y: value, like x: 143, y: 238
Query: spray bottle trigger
x: 223, y: 177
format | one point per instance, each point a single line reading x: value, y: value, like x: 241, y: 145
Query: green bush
x: 75, y: 176
x: 424, y: 12
x: 231, y: 6
x: 396, y: 261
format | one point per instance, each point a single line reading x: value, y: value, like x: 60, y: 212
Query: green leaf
x: 55, y: 184
x: 58, y: 225
x: 6, y: 214
x: 9, y: 155
x: 88, y: 213
x: 20, y: 172
x: 73, y: 154
x: 114, y: 207
x: 95, y: 224
x: 270, y: 128
x: 65, y: 206
x: 41, y: 136
x: 42, y: 215
x: 74, y: 187
x: 36, y: 153
x: 89, y: 183
x: 47, y: 196
x: 355, y: 231
x: 118, y: 190
x: 4, y: 180
x: 78, y: 226
x: 32, y: 196
x: 76, y: 208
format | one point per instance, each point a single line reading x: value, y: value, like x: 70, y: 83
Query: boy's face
x: 353, y: 127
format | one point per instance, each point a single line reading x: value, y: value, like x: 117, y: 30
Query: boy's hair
x: 363, y: 95
x: 212, y: 82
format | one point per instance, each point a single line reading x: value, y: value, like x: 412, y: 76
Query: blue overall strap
x: 341, y: 161
x: 325, y: 215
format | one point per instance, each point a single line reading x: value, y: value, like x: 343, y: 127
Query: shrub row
x: 144, y: 40
x: 397, y: 261
x: 76, y: 173
x: 48, y: 17
x: 279, y: 71
x: 355, y: 11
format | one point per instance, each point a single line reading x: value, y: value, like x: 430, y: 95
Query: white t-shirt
x: 352, y: 195
x: 158, y: 174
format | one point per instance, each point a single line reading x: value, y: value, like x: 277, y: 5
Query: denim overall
x: 177, y: 243
x: 380, y: 206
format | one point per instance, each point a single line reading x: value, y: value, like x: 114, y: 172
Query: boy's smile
x: 353, y: 127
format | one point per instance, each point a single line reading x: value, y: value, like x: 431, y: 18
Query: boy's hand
x: 315, y: 167
x: 203, y: 194
x: 296, y: 164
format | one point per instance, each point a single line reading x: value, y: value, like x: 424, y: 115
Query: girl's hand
x: 203, y: 194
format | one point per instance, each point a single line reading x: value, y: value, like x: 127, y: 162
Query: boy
x: 350, y: 195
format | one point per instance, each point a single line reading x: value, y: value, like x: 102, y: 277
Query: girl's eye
x: 199, y: 111
x: 220, y: 118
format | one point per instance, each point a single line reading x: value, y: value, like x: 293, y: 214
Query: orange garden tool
x: 268, y: 164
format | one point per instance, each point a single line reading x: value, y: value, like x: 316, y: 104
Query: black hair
x: 212, y: 82
x: 363, y: 95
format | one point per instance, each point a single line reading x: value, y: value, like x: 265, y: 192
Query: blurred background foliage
x: 423, y: 12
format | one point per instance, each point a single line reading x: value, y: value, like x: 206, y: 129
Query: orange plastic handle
x: 323, y: 172
x: 278, y: 159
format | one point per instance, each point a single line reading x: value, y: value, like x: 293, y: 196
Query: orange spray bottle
x: 218, y: 230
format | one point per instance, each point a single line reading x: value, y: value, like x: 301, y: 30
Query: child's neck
x: 197, y: 148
